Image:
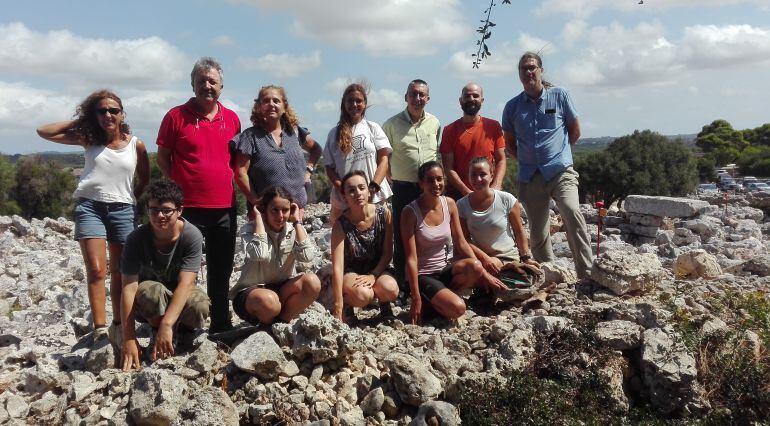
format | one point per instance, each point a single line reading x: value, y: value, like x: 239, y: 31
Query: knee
x: 454, y: 309
x: 360, y: 297
x: 475, y: 269
x: 96, y: 274
x: 264, y: 306
x: 387, y: 289
x: 311, y: 285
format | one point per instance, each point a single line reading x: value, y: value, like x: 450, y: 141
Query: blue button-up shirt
x: 540, y: 127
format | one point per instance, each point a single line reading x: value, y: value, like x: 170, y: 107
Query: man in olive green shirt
x: 413, y: 135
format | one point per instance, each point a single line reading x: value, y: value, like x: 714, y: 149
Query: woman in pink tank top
x: 429, y: 225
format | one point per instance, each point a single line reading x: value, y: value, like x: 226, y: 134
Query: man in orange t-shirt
x: 469, y: 137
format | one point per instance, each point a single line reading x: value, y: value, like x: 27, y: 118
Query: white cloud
x: 386, y: 98
x: 502, y: 62
x: 25, y: 108
x: 585, y: 8
x: 222, y: 41
x: 338, y: 85
x: 282, y: 64
x: 617, y: 56
x: 145, y: 62
x: 573, y: 32
x: 325, y: 105
x: 382, y: 28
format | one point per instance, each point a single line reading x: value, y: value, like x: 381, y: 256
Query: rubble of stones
x: 379, y: 371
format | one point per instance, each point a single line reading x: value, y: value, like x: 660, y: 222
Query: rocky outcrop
x: 384, y: 371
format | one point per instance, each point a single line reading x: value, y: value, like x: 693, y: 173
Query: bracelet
x: 374, y: 186
x: 524, y: 257
x: 309, y: 168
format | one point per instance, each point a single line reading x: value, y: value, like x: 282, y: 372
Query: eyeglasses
x: 112, y: 111
x: 165, y: 212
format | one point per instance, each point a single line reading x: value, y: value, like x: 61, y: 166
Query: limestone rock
x: 619, y: 334
x: 413, y: 380
x: 436, y: 413
x: 556, y: 273
x: 623, y: 272
x: 373, y: 401
x: 260, y: 355
x: 670, y: 375
x: 697, y: 264
x: 208, y: 406
x: 663, y: 206
x: 156, y: 397
x: 759, y: 265
x: 322, y: 337
x: 354, y: 417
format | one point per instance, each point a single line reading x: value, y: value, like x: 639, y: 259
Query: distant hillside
x: 595, y: 144
x: 66, y: 159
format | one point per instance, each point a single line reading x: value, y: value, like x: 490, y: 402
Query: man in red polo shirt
x: 194, y: 151
x: 469, y: 137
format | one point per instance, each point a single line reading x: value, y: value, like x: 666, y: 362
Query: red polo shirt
x: 200, y: 154
x: 468, y: 141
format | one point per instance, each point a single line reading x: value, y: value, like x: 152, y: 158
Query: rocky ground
x: 673, y: 274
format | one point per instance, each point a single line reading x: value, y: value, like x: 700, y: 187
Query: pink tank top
x: 432, y: 241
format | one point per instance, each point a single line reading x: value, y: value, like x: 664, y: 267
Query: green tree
x: 43, y: 188
x: 721, y: 141
x: 644, y: 163
x: 8, y: 205
x: 707, y: 168
x: 755, y: 160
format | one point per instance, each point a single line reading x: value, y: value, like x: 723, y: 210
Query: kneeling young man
x: 160, y: 264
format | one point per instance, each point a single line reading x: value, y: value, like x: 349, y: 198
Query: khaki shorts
x: 152, y: 299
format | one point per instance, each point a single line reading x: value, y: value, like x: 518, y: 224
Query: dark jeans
x: 218, y: 227
x: 403, y: 194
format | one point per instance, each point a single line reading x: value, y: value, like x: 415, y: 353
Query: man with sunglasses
x: 194, y: 151
x: 160, y: 264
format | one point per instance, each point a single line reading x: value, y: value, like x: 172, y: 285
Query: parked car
x: 707, y: 188
x: 758, y: 187
x: 724, y: 182
x: 733, y: 187
x: 748, y: 180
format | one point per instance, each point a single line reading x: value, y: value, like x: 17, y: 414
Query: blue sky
x: 667, y: 65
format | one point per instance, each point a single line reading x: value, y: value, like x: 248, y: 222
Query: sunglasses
x: 112, y: 111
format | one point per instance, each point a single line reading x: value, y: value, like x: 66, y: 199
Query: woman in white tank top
x: 106, y: 195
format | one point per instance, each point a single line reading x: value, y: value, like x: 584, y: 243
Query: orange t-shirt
x: 468, y: 141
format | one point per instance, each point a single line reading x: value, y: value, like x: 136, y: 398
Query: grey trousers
x: 535, y: 195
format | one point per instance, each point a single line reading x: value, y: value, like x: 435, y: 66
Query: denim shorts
x: 110, y: 221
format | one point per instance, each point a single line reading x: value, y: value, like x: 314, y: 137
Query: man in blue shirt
x: 539, y: 126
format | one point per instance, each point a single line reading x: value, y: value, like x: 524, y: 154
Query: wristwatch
x: 309, y: 168
x: 524, y: 257
x: 374, y: 186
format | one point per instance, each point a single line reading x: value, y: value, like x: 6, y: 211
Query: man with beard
x: 194, y: 151
x: 469, y: 137
x: 541, y: 125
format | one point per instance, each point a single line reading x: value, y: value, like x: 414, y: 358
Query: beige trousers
x: 535, y: 195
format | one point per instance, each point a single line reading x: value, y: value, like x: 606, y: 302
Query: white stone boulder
x: 697, y: 264
x: 663, y: 206
x: 623, y: 272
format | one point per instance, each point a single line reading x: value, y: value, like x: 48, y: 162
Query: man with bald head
x: 469, y: 137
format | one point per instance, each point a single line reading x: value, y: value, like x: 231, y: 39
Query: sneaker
x: 99, y: 334
x: 115, y: 334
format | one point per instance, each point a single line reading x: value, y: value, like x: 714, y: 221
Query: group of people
x: 441, y: 246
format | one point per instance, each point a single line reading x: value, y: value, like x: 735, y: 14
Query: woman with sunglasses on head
x: 271, y: 152
x: 429, y: 225
x: 491, y: 220
x: 361, y: 248
x: 356, y: 144
x: 106, y: 195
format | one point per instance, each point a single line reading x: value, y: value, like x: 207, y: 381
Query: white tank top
x: 109, y: 174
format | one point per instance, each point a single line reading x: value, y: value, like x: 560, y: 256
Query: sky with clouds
x: 667, y: 65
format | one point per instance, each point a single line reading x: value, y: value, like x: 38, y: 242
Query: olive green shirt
x: 413, y: 143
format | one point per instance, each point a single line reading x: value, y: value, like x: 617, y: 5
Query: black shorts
x: 431, y: 284
x: 239, y: 301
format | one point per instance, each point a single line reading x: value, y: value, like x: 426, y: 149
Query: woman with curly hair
x: 356, y: 144
x: 106, y: 194
x: 270, y: 153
